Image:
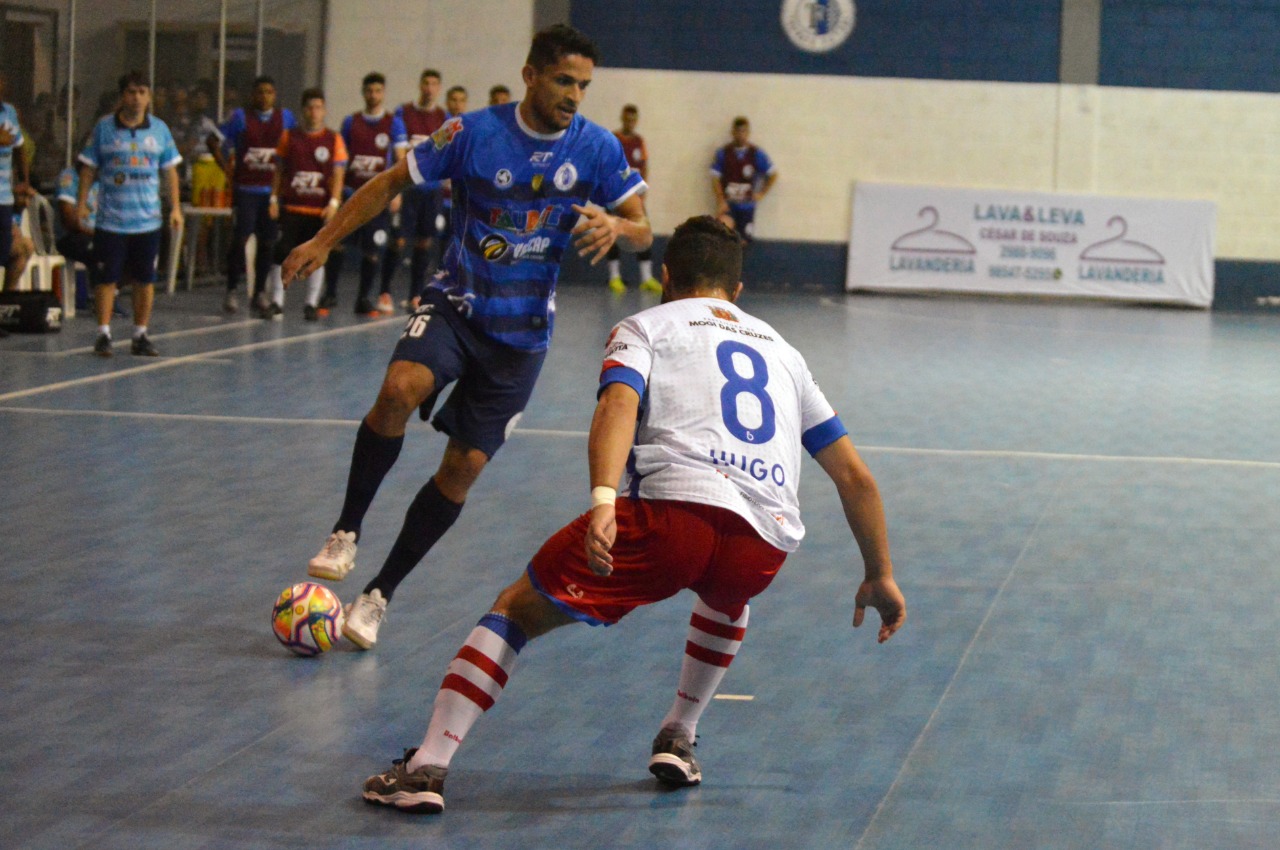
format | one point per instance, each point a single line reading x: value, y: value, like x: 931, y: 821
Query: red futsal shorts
x: 662, y: 547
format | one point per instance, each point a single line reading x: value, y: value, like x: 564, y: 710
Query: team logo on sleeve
x: 442, y: 137
x: 566, y: 176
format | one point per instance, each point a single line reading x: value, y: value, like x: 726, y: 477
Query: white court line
x: 582, y: 435
x: 735, y: 697
x: 169, y: 362
x: 170, y: 335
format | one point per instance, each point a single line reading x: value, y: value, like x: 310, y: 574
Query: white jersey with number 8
x: 727, y: 405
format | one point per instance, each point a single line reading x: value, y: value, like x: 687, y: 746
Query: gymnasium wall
x: 473, y: 43
x: 945, y: 92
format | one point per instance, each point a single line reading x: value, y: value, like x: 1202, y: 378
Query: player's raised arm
x: 864, y: 512
x: 369, y: 200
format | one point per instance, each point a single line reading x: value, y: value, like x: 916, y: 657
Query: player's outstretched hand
x: 884, y: 596
x: 596, y: 232
x: 602, y: 530
x: 302, y: 261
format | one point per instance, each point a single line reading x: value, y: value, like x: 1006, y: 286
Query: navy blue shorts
x: 418, y: 211
x: 6, y: 233
x: 744, y: 219
x: 494, y: 380
x: 117, y: 255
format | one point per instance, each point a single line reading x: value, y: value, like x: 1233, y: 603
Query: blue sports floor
x: 1084, y: 508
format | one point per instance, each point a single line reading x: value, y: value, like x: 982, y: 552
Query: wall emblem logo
x: 818, y: 26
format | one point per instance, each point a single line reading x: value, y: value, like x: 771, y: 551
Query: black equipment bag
x: 30, y: 312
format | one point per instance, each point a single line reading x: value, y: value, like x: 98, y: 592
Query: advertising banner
x: 1003, y: 242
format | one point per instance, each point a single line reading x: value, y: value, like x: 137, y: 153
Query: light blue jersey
x: 9, y: 123
x: 513, y: 193
x: 128, y: 162
x: 69, y: 192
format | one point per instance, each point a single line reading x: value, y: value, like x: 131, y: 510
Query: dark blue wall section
x: 993, y: 40
x: 1222, y: 45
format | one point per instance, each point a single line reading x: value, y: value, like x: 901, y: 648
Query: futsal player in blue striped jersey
x: 523, y: 176
x: 127, y: 154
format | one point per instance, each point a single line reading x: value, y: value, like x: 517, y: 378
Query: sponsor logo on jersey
x: 442, y: 137
x: 307, y: 182
x: 259, y: 158
x: 531, y: 222
x: 721, y: 313
x: 502, y: 179
x: 119, y: 178
x: 493, y: 247
x: 536, y: 182
x: 541, y: 157
x: 566, y: 176
x: 497, y: 249
x: 818, y: 25
x: 367, y: 164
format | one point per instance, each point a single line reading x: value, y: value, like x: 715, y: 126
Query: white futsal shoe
x: 336, y: 559
x: 364, y: 616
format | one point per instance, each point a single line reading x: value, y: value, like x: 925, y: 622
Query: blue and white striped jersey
x: 513, y: 193
x: 128, y: 162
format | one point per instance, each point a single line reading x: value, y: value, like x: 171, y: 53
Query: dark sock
x: 333, y: 271
x: 371, y: 460
x: 390, y: 265
x: 418, y: 267
x: 426, y: 521
x: 368, y: 271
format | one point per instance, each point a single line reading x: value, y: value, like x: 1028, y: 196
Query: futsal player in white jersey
x: 724, y: 406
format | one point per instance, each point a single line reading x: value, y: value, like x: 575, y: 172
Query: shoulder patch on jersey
x: 721, y: 313
x: 442, y: 137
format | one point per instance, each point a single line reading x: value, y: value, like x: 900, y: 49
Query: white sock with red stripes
x: 714, y: 640
x: 472, y: 684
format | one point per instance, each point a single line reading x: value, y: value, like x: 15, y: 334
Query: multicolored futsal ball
x: 307, y: 618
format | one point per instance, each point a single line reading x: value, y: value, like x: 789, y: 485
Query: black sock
x: 428, y: 518
x: 418, y: 267
x: 368, y: 271
x: 371, y: 460
x: 390, y: 265
x: 333, y: 271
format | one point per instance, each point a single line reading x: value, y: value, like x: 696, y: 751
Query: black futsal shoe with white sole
x: 672, y: 761
x: 418, y: 791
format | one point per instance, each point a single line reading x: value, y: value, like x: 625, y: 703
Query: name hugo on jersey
x: 757, y: 468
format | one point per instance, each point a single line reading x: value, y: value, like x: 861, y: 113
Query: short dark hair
x: 703, y: 254
x: 371, y: 78
x: 558, y: 41
x: 313, y: 93
x: 741, y: 121
x: 134, y: 78
x: 453, y: 89
x: 499, y: 89
x: 264, y: 79
x: 429, y: 72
